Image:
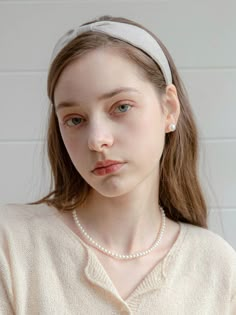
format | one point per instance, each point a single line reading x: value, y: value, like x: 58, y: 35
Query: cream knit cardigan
x: 45, y: 269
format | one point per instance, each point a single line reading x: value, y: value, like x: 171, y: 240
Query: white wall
x: 201, y: 38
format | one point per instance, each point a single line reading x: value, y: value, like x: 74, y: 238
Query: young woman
x: 124, y: 228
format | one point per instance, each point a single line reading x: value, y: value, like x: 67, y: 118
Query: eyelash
x: 78, y: 117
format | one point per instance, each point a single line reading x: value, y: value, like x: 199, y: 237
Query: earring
x: 172, y: 127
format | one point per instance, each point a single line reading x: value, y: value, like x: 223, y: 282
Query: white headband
x: 131, y: 34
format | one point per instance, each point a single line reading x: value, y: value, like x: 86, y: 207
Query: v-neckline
x: 153, y: 280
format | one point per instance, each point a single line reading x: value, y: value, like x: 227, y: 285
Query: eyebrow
x: 100, y: 98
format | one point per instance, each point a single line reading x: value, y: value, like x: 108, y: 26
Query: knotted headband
x: 131, y: 34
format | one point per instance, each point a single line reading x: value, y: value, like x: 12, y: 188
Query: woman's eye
x: 75, y: 121
x: 123, y: 108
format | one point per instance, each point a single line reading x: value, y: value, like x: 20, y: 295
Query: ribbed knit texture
x: 46, y: 269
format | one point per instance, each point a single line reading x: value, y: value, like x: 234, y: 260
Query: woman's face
x: 109, y: 113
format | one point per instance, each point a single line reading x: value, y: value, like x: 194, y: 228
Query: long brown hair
x: 179, y: 190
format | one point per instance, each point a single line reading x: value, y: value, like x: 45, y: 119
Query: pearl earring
x: 172, y: 127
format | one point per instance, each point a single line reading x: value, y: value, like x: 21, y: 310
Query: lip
x: 106, y: 163
x: 106, y: 167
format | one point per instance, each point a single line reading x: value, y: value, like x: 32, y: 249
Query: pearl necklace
x: 121, y: 256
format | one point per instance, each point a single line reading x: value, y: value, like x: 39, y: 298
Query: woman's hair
x: 179, y: 190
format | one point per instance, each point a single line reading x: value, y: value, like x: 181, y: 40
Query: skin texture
x: 122, y: 211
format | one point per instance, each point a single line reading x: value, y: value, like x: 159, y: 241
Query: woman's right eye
x: 75, y: 121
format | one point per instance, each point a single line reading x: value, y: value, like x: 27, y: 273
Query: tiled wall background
x: 201, y: 38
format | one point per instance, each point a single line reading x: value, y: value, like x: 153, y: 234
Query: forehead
x: 96, y: 72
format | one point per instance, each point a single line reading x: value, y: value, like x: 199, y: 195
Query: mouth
x: 107, y: 167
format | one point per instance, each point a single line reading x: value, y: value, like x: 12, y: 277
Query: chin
x: 111, y: 193
x: 114, y: 189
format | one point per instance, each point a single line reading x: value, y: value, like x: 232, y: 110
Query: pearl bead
x: 116, y: 255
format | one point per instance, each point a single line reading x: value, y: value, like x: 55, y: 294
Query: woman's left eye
x: 123, y: 108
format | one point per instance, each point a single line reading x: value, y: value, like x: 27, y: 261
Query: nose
x: 100, y: 137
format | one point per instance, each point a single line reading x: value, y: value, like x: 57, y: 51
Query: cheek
x: 148, y: 128
x: 146, y: 137
x: 72, y: 145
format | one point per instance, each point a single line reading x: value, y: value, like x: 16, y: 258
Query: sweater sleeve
x: 233, y: 305
x: 5, y: 289
x: 6, y: 292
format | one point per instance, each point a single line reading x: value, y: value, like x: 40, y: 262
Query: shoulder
x: 208, y: 243
x: 15, y: 217
x: 208, y: 240
x: 203, y: 259
x: 24, y: 210
x: 207, y: 252
x: 203, y: 255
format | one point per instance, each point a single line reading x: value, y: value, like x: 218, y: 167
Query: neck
x: 124, y: 224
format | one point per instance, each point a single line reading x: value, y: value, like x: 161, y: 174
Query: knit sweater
x: 46, y: 269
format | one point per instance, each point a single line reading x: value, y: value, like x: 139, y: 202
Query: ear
x: 171, y: 107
